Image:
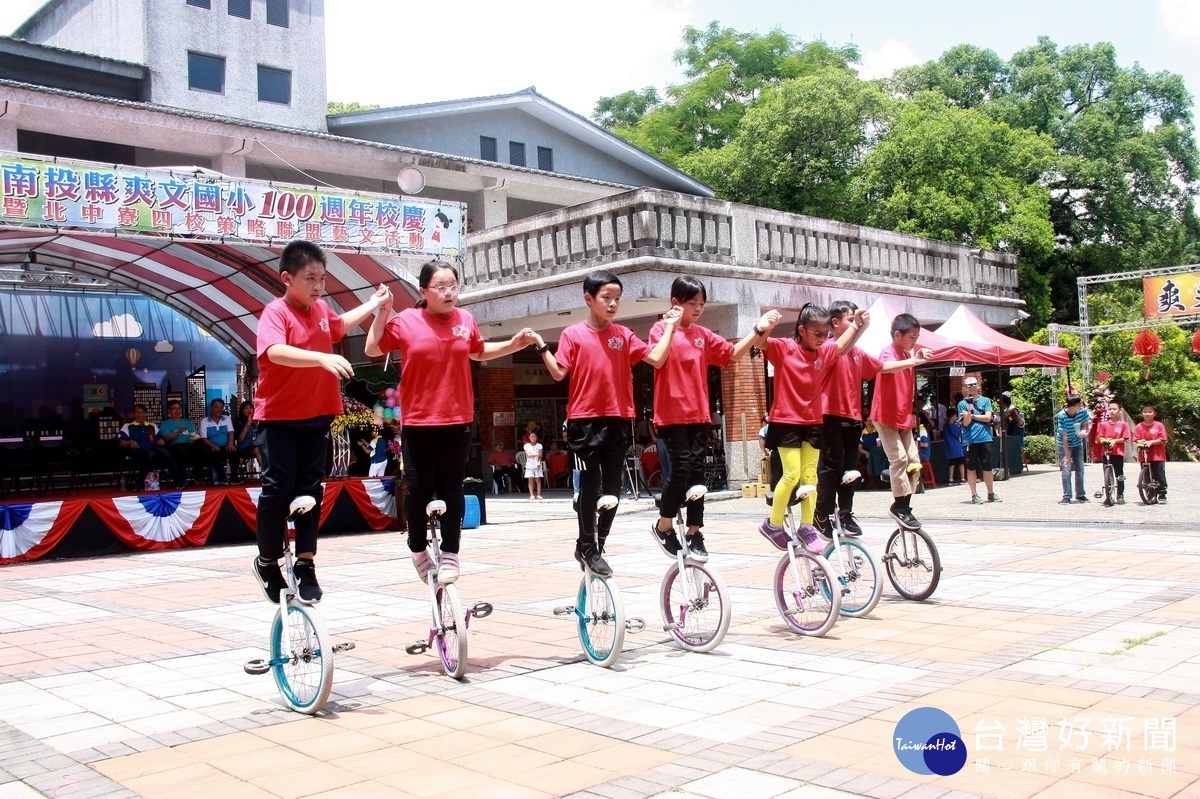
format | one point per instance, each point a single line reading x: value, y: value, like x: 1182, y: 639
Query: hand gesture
x: 767, y: 321
x: 382, y: 297
x: 862, y: 318
x: 671, y: 317
x: 337, y: 365
x: 922, y: 355
x: 533, y: 338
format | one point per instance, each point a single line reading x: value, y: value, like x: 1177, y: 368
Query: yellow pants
x: 799, y: 466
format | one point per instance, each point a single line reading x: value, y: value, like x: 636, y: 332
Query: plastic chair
x: 927, y: 477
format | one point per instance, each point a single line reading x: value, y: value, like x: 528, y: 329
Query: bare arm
x: 657, y: 357
x: 853, y: 332
x: 287, y: 355
x: 766, y: 323
x: 548, y: 359
x: 355, y: 317
x: 498, y: 349
x: 919, y: 357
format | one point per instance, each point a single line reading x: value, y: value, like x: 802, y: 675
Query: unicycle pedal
x: 480, y: 610
x: 256, y: 666
x: 418, y: 647
x: 635, y: 624
x: 344, y: 647
x: 564, y: 610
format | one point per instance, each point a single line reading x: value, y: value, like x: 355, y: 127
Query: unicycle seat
x: 850, y: 476
x: 435, y: 508
x: 301, y: 505
x: 802, y: 492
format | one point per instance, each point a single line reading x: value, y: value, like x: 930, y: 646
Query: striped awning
x: 221, y: 287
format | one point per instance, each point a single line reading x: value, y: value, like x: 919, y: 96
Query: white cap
x: 971, y: 381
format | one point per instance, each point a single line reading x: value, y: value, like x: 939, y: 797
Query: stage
x: 99, y: 522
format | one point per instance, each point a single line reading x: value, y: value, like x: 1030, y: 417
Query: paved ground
x: 1064, y: 641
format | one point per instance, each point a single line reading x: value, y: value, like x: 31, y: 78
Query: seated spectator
x: 217, y: 439
x: 503, y: 464
x: 141, y: 438
x: 246, y: 436
x: 179, y: 436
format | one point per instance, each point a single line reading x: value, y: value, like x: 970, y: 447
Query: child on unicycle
x: 298, y: 395
x: 1114, y: 432
x: 1151, y: 434
x: 599, y: 354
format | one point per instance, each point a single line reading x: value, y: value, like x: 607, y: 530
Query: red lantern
x: 1196, y: 342
x: 1147, y: 344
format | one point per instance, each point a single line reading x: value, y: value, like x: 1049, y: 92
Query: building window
x: 206, y: 73
x: 487, y: 148
x: 239, y: 8
x: 277, y: 13
x: 200, y: 3
x: 516, y: 153
x: 274, y: 85
x: 546, y: 159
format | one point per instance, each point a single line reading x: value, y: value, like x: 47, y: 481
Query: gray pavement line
x: 47, y: 770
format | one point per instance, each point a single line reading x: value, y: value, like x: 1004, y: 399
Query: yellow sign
x: 1171, y: 295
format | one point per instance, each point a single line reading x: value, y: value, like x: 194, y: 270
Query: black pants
x: 512, y: 472
x: 1117, y: 462
x: 144, y: 459
x: 686, y: 447
x: 1158, y: 470
x: 435, y: 462
x: 294, y: 456
x: 839, y: 454
x: 597, y: 447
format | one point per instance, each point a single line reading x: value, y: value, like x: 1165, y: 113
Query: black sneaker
x: 695, y: 544
x: 307, y: 590
x: 1082, y: 499
x: 904, y: 517
x: 667, y: 540
x: 269, y: 579
x: 588, y: 555
x: 824, y: 526
x: 1065, y: 501
x: 850, y: 524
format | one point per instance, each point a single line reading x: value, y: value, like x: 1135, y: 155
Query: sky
x: 384, y: 52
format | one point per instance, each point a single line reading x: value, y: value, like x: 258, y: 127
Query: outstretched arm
x: 657, y: 357
x: 498, y: 349
x: 853, y: 332
x: 548, y: 359
x: 378, y: 326
x: 918, y: 357
x: 355, y: 317
x: 755, y: 338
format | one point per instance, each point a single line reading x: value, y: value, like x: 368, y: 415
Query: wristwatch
x: 759, y: 332
x: 542, y: 348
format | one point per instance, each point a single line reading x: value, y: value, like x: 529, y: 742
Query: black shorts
x: 959, y: 461
x: 588, y: 438
x: 979, y: 457
x: 780, y: 434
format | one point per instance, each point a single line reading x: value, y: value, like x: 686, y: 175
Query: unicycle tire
x: 863, y: 579
x: 451, y: 639
x: 699, y: 623
x: 913, y: 564
x: 301, y: 657
x: 807, y: 606
x: 601, y: 619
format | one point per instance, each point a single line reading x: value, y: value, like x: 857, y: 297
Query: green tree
x: 726, y: 72
x: 338, y: 107
x: 968, y: 76
x: 796, y: 148
x: 954, y: 174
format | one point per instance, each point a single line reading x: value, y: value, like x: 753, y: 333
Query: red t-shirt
x: 599, y: 362
x: 843, y: 397
x: 289, y: 393
x: 435, y: 365
x: 892, y: 403
x: 1118, y: 432
x: 681, y: 386
x: 1150, y: 432
x: 800, y: 379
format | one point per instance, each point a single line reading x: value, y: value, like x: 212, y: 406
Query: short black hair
x: 1151, y: 406
x: 685, y: 289
x: 810, y: 314
x: 215, y: 401
x: 1073, y: 400
x: 139, y: 405
x: 840, y: 308
x: 598, y: 279
x: 904, y: 322
x: 173, y: 403
x: 299, y: 254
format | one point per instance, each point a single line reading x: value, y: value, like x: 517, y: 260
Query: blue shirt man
x: 975, y: 416
x: 1071, y: 425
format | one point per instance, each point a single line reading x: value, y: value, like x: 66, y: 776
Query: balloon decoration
x: 1147, y: 344
x: 1196, y: 342
x: 133, y: 355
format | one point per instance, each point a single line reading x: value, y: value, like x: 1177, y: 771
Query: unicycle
x: 803, y: 594
x: 1148, y: 488
x: 912, y: 563
x: 449, y: 623
x: 694, y: 602
x: 598, y: 610
x: 854, y: 566
x: 301, y: 652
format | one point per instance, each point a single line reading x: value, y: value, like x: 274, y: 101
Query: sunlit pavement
x: 1064, y: 642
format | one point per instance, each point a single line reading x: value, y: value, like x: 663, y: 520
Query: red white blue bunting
x: 160, y: 521
x: 29, y: 531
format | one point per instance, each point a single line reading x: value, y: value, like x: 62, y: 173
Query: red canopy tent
x: 965, y: 328
x: 945, y: 350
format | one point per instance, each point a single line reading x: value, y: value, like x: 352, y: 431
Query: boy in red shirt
x: 891, y: 411
x: 1151, y: 435
x: 1115, y: 432
x: 599, y: 354
x: 298, y: 395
